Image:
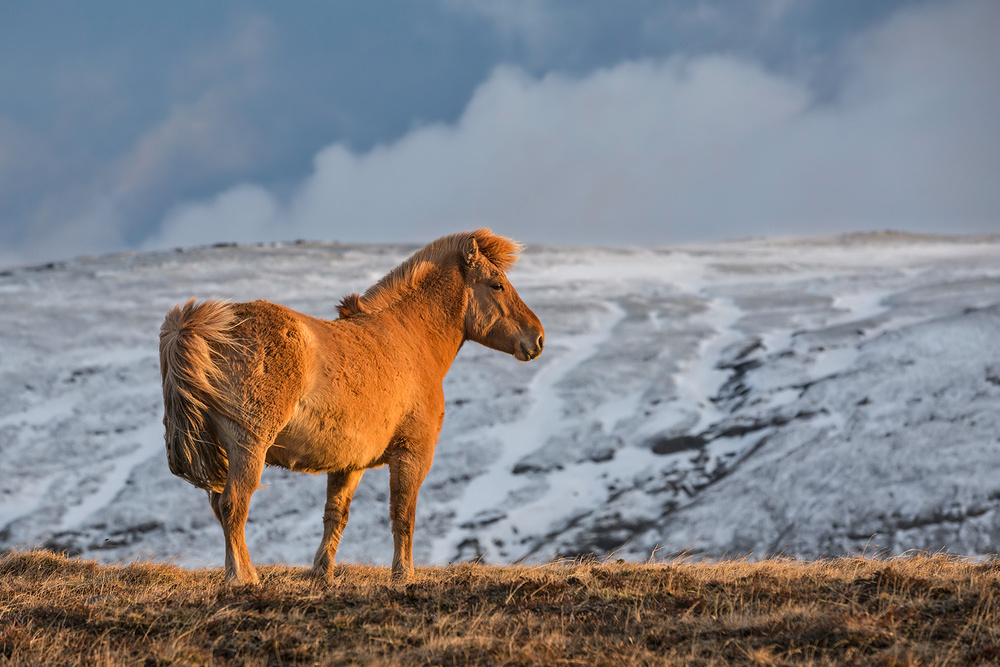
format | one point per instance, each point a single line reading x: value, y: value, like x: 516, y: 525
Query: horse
x: 252, y: 384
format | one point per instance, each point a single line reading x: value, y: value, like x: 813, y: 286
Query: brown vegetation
x: 922, y: 610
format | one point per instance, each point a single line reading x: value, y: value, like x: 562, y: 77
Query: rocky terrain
x: 808, y: 397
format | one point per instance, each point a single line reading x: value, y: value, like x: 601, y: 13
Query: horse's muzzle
x: 527, y: 351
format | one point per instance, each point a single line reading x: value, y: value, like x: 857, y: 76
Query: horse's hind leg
x: 214, y: 498
x: 340, y: 488
x: 246, y: 463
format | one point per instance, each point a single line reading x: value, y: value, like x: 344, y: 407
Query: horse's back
x: 340, y: 389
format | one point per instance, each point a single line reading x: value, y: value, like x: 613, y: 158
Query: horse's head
x: 495, y: 316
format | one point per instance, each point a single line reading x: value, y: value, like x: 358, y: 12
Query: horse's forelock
x: 501, y: 251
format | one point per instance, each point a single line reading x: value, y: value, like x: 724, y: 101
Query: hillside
x: 807, y: 397
x: 913, y: 611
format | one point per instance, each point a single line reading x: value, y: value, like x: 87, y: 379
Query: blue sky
x: 128, y: 125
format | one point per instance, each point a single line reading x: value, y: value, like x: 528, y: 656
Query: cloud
x: 668, y: 151
x: 204, y: 134
x: 548, y: 31
x: 245, y: 213
x: 551, y: 157
x: 24, y: 157
x: 529, y: 20
x: 202, y: 137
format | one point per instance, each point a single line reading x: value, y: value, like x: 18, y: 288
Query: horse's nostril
x: 540, y: 343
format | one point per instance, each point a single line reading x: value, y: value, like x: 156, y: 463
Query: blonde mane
x: 501, y: 252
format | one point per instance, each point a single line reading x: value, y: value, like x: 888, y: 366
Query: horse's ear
x: 470, y: 251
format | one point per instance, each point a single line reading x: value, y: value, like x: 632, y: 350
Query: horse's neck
x: 434, y: 320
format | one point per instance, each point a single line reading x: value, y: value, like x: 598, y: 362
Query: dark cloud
x: 632, y: 122
x: 681, y: 149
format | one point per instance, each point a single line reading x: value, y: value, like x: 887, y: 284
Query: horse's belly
x: 306, y: 446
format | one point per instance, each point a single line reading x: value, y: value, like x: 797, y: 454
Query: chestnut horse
x: 249, y: 384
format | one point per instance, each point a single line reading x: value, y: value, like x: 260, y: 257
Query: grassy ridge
x: 924, y: 610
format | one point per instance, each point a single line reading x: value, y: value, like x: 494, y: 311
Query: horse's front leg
x: 340, y: 488
x: 407, y: 469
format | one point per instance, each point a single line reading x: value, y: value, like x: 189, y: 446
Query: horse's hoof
x: 250, y: 579
x: 402, y: 576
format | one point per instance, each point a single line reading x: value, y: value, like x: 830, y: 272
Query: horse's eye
x: 497, y: 287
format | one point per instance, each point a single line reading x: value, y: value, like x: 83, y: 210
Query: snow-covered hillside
x: 809, y: 397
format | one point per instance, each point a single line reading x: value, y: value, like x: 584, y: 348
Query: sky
x: 130, y: 126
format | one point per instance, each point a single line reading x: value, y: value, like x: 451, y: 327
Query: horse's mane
x: 501, y: 252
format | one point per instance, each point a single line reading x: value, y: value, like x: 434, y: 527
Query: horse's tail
x: 193, y: 388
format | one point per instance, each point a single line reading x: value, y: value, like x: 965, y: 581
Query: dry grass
x: 924, y: 610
